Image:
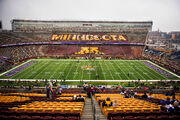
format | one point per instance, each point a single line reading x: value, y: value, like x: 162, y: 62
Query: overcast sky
x: 165, y: 14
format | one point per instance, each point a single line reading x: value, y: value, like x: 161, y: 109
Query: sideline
x: 164, y: 69
x: 15, y: 67
x: 86, y: 80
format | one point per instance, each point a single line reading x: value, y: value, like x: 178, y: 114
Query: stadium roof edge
x: 86, y: 21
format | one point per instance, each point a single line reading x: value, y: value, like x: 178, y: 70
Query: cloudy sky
x: 164, y: 13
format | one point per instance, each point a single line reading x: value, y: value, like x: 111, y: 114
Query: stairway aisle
x: 99, y: 114
x: 87, y: 111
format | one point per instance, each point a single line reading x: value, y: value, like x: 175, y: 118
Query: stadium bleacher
x: 35, y: 41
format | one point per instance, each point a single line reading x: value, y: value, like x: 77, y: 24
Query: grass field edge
x: 86, y: 80
x: 15, y: 67
x: 164, y: 69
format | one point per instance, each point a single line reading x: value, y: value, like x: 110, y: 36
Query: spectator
x: 168, y: 101
x: 176, y: 106
x: 74, y: 98
x: 126, y: 95
x: 170, y: 108
x: 59, y: 89
x: 150, y: 95
x: 173, y: 99
x: 115, y: 104
x: 108, y: 102
x: 131, y: 94
x: 168, y: 93
x: 49, y: 91
x: 80, y: 98
x: 144, y: 96
x: 89, y: 91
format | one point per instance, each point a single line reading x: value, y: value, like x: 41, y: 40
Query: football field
x: 56, y: 69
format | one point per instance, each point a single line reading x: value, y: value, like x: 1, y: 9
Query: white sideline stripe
x: 87, y: 80
x: 80, y: 60
x: 14, y: 68
x: 165, y: 69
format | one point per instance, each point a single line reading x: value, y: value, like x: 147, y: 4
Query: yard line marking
x: 42, y: 70
x: 63, y: 71
x: 156, y: 72
x: 115, y: 71
x: 30, y: 67
x: 69, y: 70
x: 148, y: 68
x: 143, y: 70
x: 102, y: 70
x: 109, y: 71
x: 20, y: 72
x: 82, y: 72
x: 46, y: 73
x: 136, y: 73
x: 55, y: 71
x: 76, y: 69
x: 130, y: 71
x: 96, y: 69
x: 122, y: 70
x: 41, y: 66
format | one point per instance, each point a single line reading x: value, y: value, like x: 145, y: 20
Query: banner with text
x: 90, y: 37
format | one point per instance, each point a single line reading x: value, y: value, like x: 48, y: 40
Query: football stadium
x: 88, y: 70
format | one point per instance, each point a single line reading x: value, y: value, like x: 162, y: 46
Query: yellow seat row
x: 108, y: 110
x: 161, y: 96
x: 72, y: 94
x: 128, y: 105
x: 47, y: 109
x: 26, y: 94
x: 9, y: 99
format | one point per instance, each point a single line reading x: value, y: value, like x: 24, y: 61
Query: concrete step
x: 87, y: 111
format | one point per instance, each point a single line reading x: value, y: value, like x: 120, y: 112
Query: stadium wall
x: 81, y: 26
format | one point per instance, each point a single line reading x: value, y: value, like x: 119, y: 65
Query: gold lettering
x: 114, y: 37
x: 74, y: 37
x: 121, y: 37
x: 69, y: 36
x: 54, y: 37
x: 83, y: 37
x: 106, y: 37
x: 65, y: 37
x: 91, y: 37
x: 87, y: 37
x: 61, y: 37
x: 96, y: 37
x: 78, y: 37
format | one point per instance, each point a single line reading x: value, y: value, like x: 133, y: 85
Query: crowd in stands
x: 164, y: 59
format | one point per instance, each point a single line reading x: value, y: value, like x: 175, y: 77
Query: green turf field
x: 53, y: 69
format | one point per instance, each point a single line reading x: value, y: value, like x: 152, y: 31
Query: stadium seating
x: 38, y: 106
x: 132, y: 108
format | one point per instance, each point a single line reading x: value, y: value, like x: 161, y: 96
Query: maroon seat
x: 59, y: 118
x: 48, y: 118
x: 116, y: 118
x: 72, y: 118
x: 24, y: 117
x: 151, y: 117
x: 36, y: 118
